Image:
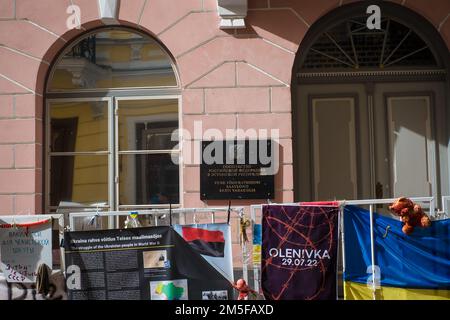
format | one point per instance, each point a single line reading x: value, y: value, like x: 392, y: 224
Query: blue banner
x: 420, y: 260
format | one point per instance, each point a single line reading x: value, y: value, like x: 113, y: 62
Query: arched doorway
x: 370, y: 107
x: 112, y: 104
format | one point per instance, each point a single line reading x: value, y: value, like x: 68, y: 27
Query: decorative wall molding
x: 108, y: 11
x: 232, y: 13
x: 307, y: 77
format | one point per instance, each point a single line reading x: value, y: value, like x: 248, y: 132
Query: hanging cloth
x: 43, y: 279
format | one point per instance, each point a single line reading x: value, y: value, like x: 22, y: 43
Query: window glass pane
x: 90, y: 222
x: 350, y: 45
x: 148, y: 179
x: 147, y: 124
x: 79, y: 126
x: 79, y: 180
x: 113, y: 59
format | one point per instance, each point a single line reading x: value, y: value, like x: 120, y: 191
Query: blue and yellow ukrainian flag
x: 411, y: 267
x: 257, y: 243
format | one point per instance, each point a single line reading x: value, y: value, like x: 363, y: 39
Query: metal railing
x: 342, y: 204
x: 182, y: 212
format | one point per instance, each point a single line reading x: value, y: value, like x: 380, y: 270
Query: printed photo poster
x: 24, y: 249
x: 152, y: 263
x: 213, y: 242
x: 299, y: 252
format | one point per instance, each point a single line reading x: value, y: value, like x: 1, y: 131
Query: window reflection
x: 147, y: 124
x: 81, y: 144
x: 79, y: 180
x: 79, y: 126
x: 148, y: 179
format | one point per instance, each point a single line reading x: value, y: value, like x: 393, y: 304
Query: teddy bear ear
x: 425, y: 221
x: 407, y: 229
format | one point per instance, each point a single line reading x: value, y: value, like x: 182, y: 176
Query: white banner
x: 22, y: 291
x: 25, y: 244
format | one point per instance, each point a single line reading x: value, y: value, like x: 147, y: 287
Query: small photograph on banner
x: 215, y: 295
x: 169, y: 290
x: 24, y: 249
x: 155, y: 259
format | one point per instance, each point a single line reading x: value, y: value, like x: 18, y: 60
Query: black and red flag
x: 206, y: 242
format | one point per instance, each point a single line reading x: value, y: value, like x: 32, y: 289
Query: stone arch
x: 55, y: 51
x: 404, y: 15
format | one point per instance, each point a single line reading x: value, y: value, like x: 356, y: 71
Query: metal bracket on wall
x: 108, y: 11
x: 233, y: 13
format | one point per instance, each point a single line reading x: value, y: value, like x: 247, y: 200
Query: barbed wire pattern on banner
x: 299, y: 251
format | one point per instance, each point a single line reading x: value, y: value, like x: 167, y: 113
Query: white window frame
x: 49, y: 154
x: 118, y: 153
x: 113, y: 151
x: 113, y: 96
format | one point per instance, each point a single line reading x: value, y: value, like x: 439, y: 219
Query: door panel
x: 334, y: 146
x: 411, y: 149
x: 364, y: 141
x: 411, y: 117
x: 304, y: 144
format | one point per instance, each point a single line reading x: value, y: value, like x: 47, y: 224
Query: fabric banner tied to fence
x: 407, y: 267
x: 299, y: 252
x: 153, y: 263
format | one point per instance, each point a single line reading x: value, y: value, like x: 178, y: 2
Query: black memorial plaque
x: 237, y: 169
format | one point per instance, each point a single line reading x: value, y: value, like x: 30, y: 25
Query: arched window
x: 112, y: 106
x: 351, y: 45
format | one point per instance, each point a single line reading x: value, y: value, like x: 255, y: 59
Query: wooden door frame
x: 410, y: 18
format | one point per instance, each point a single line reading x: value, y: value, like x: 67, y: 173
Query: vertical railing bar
x: 71, y: 222
x: 244, y: 254
x: 341, y: 235
x: 372, y: 251
x: 432, y: 208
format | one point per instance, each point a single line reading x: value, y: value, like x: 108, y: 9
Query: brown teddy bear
x: 411, y: 214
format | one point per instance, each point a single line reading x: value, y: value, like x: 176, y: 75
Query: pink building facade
x: 228, y: 78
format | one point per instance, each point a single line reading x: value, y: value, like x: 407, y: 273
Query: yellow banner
x: 256, y: 253
x: 358, y: 291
